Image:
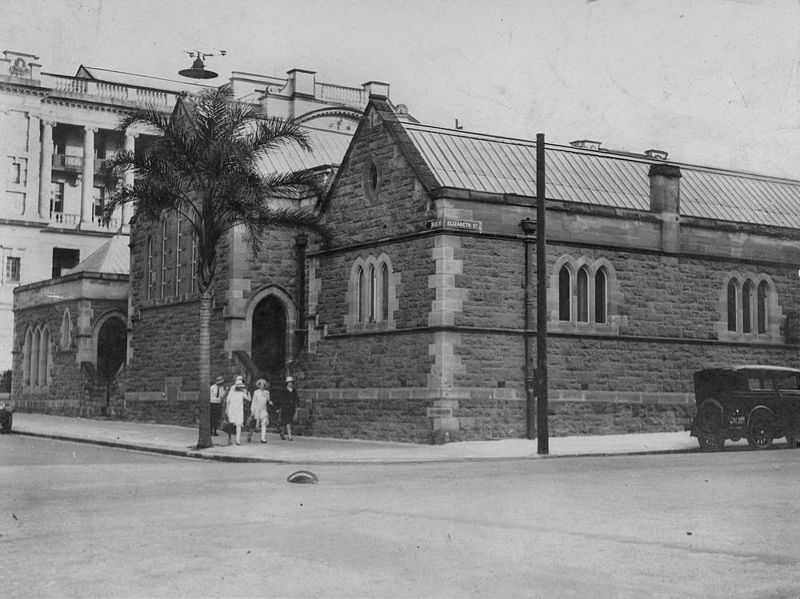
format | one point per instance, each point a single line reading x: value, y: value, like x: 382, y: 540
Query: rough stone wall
x: 70, y: 392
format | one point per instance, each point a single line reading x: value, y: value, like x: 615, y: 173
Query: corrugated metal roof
x: 113, y: 257
x: 328, y: 148
x: 489, y: 164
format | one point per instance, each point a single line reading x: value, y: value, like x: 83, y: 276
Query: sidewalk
x: 180, y: 441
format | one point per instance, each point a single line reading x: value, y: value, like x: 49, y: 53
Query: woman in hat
x: 234, y: 409
x: 259, y: 409
x: 217, y: 393
x: 288, y: 408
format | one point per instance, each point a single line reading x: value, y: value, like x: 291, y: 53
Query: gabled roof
x: 456, y: 159
x: 113, y: 257
x: 328, y: 147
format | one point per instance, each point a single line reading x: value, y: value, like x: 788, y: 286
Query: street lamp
x: 198, y: 69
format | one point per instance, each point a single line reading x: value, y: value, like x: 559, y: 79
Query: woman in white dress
x: 258, y: 409
x: 234, y: 408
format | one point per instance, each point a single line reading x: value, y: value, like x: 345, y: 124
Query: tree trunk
x: 204, y: 370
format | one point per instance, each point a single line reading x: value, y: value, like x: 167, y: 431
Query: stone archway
x: 112, y: 348
x: 269, y: 337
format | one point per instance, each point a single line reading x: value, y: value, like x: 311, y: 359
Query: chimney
x: 585, y: 144
x: 665, y: 201
x: 377, y: 89
x: 656, y: 154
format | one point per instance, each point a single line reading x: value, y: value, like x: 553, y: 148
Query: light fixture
x: 198, y: 69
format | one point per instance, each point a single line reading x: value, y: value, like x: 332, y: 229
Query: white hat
x: 289, y: 379
x: 239, y: 381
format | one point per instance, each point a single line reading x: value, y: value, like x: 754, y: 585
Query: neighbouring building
x: 56, y: 131
x: 410, y: 322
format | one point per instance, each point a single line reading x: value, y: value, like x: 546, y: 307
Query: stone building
x: 410, y: 322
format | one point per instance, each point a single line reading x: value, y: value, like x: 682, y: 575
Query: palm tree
x: 205, y: 165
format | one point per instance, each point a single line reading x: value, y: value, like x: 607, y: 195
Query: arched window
x: 583, y: 295
x: 564, y: 294
x: 731, y: 303
x: 66, y: 331
x: 26, y: 358
x: 747, y: 307
x: 178, y: 257
x: 35, y: 349
x: 385, y: 292
x: 361, y: 291
x: 151, y: 270
x: 44, y: 355
x: 600, y: 296
x: 761, y: 308
x: 373, y: 293
x: 164, y: 258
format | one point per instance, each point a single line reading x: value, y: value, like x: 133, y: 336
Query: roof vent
x: 656, y: 154
x: 401, y: 109
x: 585, y: 144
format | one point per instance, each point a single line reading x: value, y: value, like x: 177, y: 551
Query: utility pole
x: 536, y: 380
x: 541, y: 303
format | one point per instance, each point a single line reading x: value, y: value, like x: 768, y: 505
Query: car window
x: 753, y: 383
x: 787, y: 381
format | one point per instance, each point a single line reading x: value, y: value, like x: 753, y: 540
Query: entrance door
x: 112, y: 348
x: 269, y: 337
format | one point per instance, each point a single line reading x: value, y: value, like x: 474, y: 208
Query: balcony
x: 65, y: 162
x: 71, y: 221
x: 112, y: 93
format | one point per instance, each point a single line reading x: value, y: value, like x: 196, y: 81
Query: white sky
x: 714, y: 82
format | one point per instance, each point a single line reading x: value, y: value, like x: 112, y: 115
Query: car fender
x: 758, y: 410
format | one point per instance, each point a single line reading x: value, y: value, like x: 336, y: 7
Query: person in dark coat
x: 288, y: 408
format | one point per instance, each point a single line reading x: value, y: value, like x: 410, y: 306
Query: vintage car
x: 759, y: 403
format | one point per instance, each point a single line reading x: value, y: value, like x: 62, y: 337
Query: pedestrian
x: 234, y: 408
x: 259, y: 409
x: 288, y: 408
x: 217, y: 394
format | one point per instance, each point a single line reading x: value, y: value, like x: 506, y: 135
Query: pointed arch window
x: 35, y: 350
x: 761, y: 307
x: 600, y: 296
x: 66, y: 331
x: 583, y: 295
x: 731, y: 305
x: 27, y: 351
x: 178, y: 255
x: 747, y: 307
x: 164, y: 258
x: 361, y: 292
x: 564, y: 294
x: 151, y: 269
x: 44, y: 356
x: 385, y: 292
x: 373, y: 293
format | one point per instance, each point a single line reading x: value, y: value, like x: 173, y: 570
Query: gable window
x: 371, y: 294
x: 371, y: 179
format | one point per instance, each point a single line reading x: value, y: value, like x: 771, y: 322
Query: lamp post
x: 198, y: 69
x: 536, y: 228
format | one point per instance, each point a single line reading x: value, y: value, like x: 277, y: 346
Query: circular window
x: 372, y: 179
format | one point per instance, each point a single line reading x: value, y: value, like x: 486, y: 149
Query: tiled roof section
x: 489, y: 164
x: 113, y: 257
x: 328, y: 148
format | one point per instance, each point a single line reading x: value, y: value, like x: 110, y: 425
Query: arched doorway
x: 112, y: 348
x: 268, y: 348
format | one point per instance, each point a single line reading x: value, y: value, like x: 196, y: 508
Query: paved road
x: 77, y: 520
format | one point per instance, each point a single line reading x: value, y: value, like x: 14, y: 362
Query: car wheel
x: 761, y: 432
x: 709, y: 428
